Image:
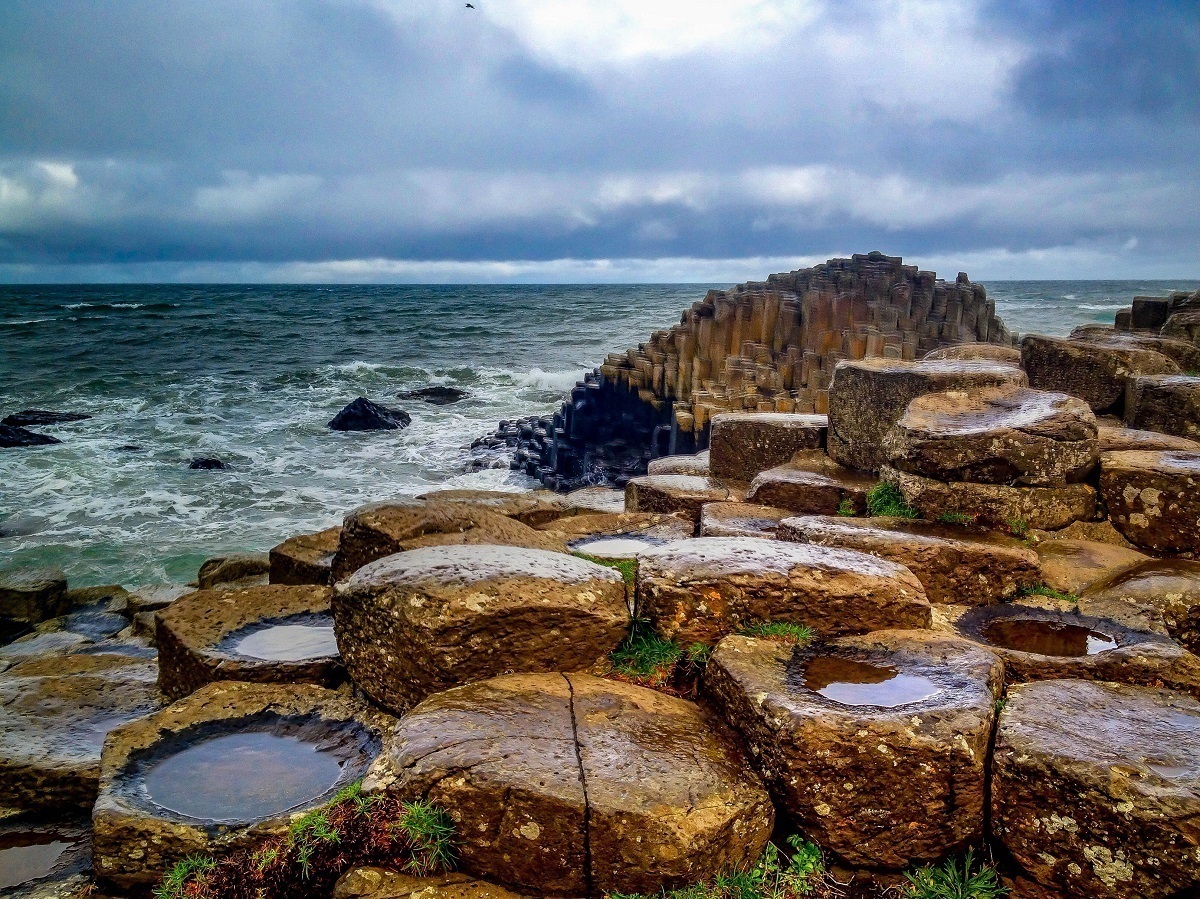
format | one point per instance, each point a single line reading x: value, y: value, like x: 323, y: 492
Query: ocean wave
x: 1102, y: 307
x: 1070, y: 296
x: 552, y: 380
x: 155, y: 306
x: 27, y: 321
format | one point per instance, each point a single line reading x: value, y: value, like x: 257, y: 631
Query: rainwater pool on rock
x: 26, y: 857
x: 851, y: 682
x: 1048, y: 638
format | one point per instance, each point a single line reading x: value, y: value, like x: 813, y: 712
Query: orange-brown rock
x: 381, y: 883
x: 305, y: 558
x: 1153, y: 498
x: 740, y: 520
x: 812, y: 484
x: 681, y: 493
x: 1092, y: 371
x: 1168, y: 404
x: 975, y: 352
x: 1158, y: 594
x: 742, y: 444
x: 697, y: 464
x: 1115, y: 438
x: 1070, y: 566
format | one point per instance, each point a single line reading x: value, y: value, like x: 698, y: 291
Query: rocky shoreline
x: 878, y: 587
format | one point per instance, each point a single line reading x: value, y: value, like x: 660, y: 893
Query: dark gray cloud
x: 318, y: 139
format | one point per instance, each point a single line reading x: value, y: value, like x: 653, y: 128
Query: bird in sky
x: 470, y: 6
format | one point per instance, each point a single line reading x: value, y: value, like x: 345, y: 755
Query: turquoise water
x: 251, y: 374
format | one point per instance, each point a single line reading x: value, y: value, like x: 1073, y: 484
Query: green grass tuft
x: 783, y: 631
x: 431, y: 833
x: 627, y: 567
x: 956, y: 518
x: 645, y: 655
x: 1019, y: 528
x: 1043, y: 590
x: 885, y: 500
x: 952, y: 880
x: 181, y: 874
x: 846, y: 509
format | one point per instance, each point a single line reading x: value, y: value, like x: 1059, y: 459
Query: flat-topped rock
x: 596, y: 499
x: 534, y: 509
x: 682, y: 493
x: 305, y: 558
x: 740, y: 520
x: 697, y: 465
x: 1070, y: 566
x: 1183, y: 326
x: 570, y: 783
x: 1182, y: 352
x: 812, y: 484
x: 1006, y: 435
x: 975, y: 352
x: 700, y: 590
x: 742, y: 444
x: 1090, y: 370
x: 1096, y: 788
x: 1113, y: 439
x: 1169, y: 404
x: 54, y: 715
x: 381, y: 529
x: 1048, y: 508
x: 621, y: 536
x: 422, y: 621
x: 271, y: 634
x: 32, y: 594
x: 1153, y: 498
x: 1157, y: 594
x: 876, y: 745
x: 240, y: 569
x: 868, y: 396
x: 155, y: 597
x: 227, y: 767
x: 380, y: 883
x: 956, y: 565
x: 1046, y: 644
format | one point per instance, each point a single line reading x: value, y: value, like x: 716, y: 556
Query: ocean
x: 252, y: 374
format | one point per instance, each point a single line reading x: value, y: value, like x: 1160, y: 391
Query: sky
x: 595, y: 140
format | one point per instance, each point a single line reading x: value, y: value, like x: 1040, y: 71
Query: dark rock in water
x: 11, y: 436
x: 437, y: 396
x: 363, y: 415
x: 129, y: 448
x: 28, y: 417
x: 203, y: 464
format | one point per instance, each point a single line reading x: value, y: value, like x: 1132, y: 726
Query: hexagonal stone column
x: 740, y: 520
x: 305, y: 558
x: 221, y: 770
x: 422, y: 621
x: 679, y: 493
x: 1113, y: 438
x: 742, y: 444
x: 697, y: 464
x: 573, y: 785
x: 700, y: 590
x: 272, y: 634
x: 811, y: 484
x: 1169, y: 404
x: 1153, y: 498
x: 1096, y: 788
x: 877, y: 745
x: 1157, y: 594
x: 1092, y: 371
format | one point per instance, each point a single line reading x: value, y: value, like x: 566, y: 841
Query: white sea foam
x: 1102, y: 307
x: 26, y: 321
x: 552, y: 380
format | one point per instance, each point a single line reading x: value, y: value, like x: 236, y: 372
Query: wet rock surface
x: 14, y: 437
x: 811, y: 484
x: 221, y: 770
x: 624, y: 535
x: 207, y: 463
x: 1014, y: 436
x: 379, y: 883
x: 1096, y: 788
x: 54, y: 715
x: 364, y: 415
x: 1092, y: 371
x: 958, y: 565
x: 437, y: 395
x: 701, y: 590
x: 696, y: 464
x: 32, y: 594
x: 1153, y: 498
x: 44, y: 860
x: 1113, y: 438
x: 975, y: 352
x: 305, y: 558
x: 1155, y: 594
x: 742, y: 444
x: 32, y: 418
x: 1168, y: 404
x: 269, y: 634
x: 574, y: 785
x: 877, y: 745
x: 869, y: 396
x: 684, y: 494
x: 423, y: 621
x: 240, y: 569
x: 740, y: 520
x: 1070, y: 566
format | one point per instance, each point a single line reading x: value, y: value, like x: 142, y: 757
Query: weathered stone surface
x: 680, y: 493
x: 620, y: 535
x: 1096, y: 790
x: 241, y: 569
x: 869, y: 396
x: 305, y: 558
x: 198, y: 638
x: 571, y: 784
x: 697, y: 465
x: 37, y: 645
x: 11, y: 437
x: 422, y: 621
x: 1012, y: 435
x: 974, y: 352
x: 1158, y: 594
x: 135, y: 840
x: 364, y: 415
x: 1092, y: 371
x: 596, y: 499
x: 1113, y: 439
x: 740, y: 520
x: 435, y: 395
x: 381, y: 529
x: 700, y: 590
x: 811, y: 484
x: 54, y: 714
x: 742, y: 444
x: 1168, y: 404
x: 1153, y: 498
x: 956, y: 565
x: 153, y: 598
x: 534, y: 509
x: 42, y: 859
x: 380, y: 883
x: 1183, y: 353
x: 1049, y: 508
x: 32, y: 594
x: 1070, y: 566
x: 1097, y: 531
x: 1044, y: 644
x: 895, y: 780
x: 1183, y: 326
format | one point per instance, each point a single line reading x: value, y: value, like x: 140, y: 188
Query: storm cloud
x: 416, y: 140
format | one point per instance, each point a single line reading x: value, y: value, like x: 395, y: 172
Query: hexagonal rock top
x: 1001, y: 435
x: 742, y: 444
x: 740, y: 520
x: 811, y: 484
x: 878, y: 745
x: 1096, y: 788
x: 378, y: 530
x: 694, y: 465
x: 1157, y: 594
x: 422, y: 621
x: 1070, y: 566
x: 1153, y: 498
x: 1043, y: 644
x: 305, y: 558
x: 868, y: 396
x: 971, y: 352
x: 54, y: 715
x: 270, y: 634
x: 1092, y: 371
x: 230, y: 765
x: 573, y: 785
x: 680, y: 493
x: 621, y: 535
x: 700, y: 590
x: 955, y: 565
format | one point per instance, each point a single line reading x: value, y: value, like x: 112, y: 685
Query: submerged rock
x: 364, y: 415
x: 17, y: 437
x: 36, y: 417
x: 207, y: 464
x: 435, y: 396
